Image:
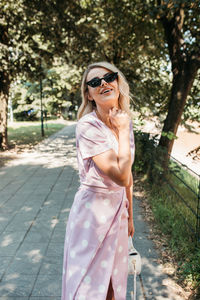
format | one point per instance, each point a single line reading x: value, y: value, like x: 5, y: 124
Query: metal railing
x: 192, y: 205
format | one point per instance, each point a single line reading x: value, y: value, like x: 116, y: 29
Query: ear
x: 89, y: 97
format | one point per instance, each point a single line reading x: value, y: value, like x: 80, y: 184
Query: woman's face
x: 107, y: 94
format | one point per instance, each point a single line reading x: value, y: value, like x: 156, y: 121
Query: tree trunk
x: 182, y: 84
x: 4, y: 93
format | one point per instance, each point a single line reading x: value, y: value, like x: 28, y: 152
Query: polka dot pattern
x: 88, y: 205
x: 72, y: 225
x: 120, y: 249
x: 86, y: 224
x: 101, y: 237
x: 72, y: 254
x: 106, y: 202
x: 103, y: 219
x: 95, y: 228
x: 124, y: 259
x: 119, y: 288
x: 101, y: 288
x: 83, y: 271
x: 74, y: 208
x: 115, y: 271
x: 87, y: 279
x: 104, y: 264
x: 84, y: 243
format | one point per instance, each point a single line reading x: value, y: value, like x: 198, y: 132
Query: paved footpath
x: 36, y: 193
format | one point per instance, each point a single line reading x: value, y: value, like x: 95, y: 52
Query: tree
x: 180, y: 20
x: 28, y: 38
x: 59, y: 84
x: 139, y: 35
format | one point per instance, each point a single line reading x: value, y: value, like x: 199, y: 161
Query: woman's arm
x: 129, y: 195
x: 117, y: 167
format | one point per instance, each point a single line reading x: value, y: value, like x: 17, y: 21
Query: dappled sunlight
x: 7, y: 240
x: 36, y: 195
x: 34, y: 255
x: 26, y: 208
x: 9, y: 287
x: 13, y: 276
x: 54, y: 222
x: 65, y: 210
x: 158, y: 282
x: 51, y: 153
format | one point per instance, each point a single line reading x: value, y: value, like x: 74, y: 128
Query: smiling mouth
x: 106, y: 91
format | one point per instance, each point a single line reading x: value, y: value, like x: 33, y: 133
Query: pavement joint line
x: 16, y: 211
x: 4, y: 273
x: 142, y: 287
x: 73, y: 175
x: 1, y: 189
x: 19, y: 187
x: 13, y: 179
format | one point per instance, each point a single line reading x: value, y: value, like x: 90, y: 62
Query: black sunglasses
x: 97, y: 81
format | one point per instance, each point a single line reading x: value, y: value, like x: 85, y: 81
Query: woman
x: 100, y: 221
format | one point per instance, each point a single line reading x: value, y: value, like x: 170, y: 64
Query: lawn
x: 27, y: 134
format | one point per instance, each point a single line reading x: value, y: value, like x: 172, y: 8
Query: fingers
x: 115, y: 111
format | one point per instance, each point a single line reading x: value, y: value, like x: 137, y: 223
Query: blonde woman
x: 101, y: 219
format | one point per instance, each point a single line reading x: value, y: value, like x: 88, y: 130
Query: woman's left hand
x: 131, y: 228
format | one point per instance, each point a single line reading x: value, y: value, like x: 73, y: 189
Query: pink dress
x: 96, y: 242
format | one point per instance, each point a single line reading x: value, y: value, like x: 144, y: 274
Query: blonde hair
x: 87, y: 105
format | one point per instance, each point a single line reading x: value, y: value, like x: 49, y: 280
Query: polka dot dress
x: 96, y: 243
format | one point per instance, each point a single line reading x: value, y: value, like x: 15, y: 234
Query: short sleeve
x: 91, y: 138
x: 132, y: 142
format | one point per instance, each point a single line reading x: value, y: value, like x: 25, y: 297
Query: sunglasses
x: 107, y: 78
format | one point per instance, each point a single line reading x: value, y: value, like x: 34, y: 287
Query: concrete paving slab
x: 16, y: 285
x: 14, y: 298
x: 49, y: 285
x: 52, y: 265
x: 5, y: 260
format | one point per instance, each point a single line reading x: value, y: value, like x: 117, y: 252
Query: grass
x: 171, y: 215
x: 28, y: 134
x: 187, y: 186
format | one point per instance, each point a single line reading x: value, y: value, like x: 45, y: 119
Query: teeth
x: 106, y: 91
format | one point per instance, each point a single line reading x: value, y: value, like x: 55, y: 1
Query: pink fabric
x: 96, y: 242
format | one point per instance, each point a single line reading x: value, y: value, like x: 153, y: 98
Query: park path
x: 36, y: 193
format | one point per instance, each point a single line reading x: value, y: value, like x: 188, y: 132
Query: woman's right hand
x: 119, y: 119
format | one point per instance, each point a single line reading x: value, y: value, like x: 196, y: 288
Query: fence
x: 185, y: 183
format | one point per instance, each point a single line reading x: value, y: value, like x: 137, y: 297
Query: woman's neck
x: 103, y: 115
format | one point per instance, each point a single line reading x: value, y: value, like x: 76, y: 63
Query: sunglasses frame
x: 98, y: 80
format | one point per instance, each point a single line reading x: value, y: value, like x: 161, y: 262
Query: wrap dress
x: 96, y: 241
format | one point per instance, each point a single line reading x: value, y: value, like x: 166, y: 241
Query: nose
x: 103, y: 82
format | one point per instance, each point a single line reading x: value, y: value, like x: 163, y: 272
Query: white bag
x: 134, y: 264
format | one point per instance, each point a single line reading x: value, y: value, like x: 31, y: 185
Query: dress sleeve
x: 132, y: 142
x: 91, y: 139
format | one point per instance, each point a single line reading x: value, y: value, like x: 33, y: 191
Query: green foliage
x: 191, y: 270
x: 170, y: 135
x: 166, y: 209
x: 59, y: 91
x: 170, y: 212
x: 145, y: 151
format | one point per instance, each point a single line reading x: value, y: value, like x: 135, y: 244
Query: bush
x: 26, y: 115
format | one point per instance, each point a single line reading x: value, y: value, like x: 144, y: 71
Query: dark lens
x: 110, y: 77
x: 94, y: 82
